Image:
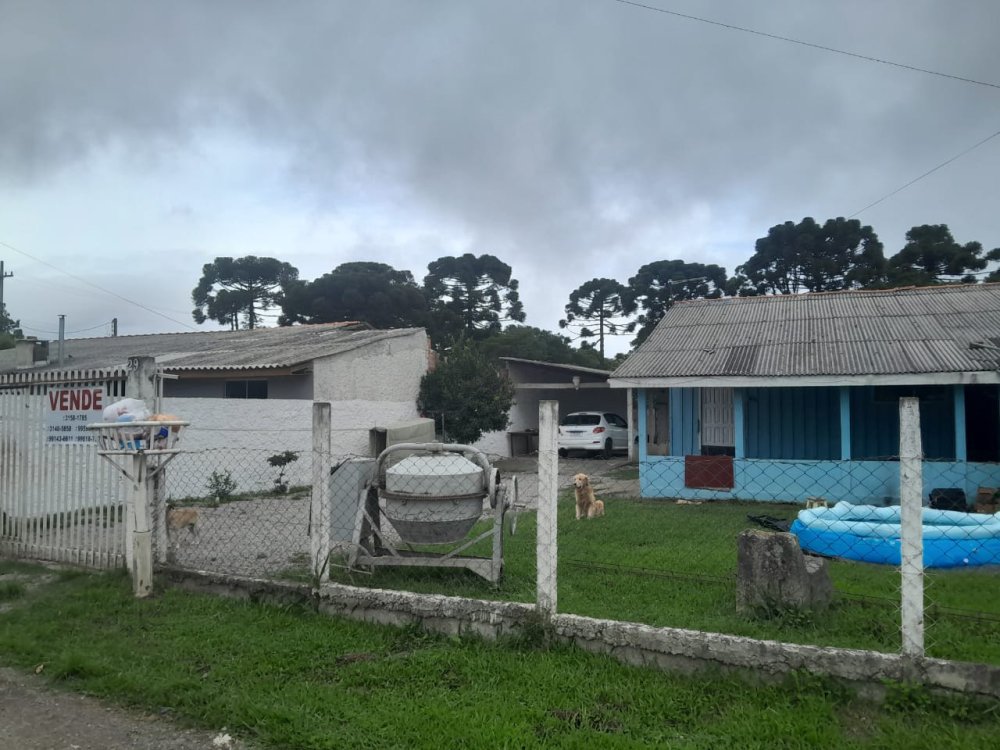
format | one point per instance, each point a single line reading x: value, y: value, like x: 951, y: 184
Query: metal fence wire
x: 240, y: 511
x: 802, y: 551
x: 702, y: 560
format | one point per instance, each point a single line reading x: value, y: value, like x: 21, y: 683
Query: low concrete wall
x: 669, y: 649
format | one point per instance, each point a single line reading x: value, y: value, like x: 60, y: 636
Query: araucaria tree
x: 466, y: 393
x: 235, y: 288
x: 658, y: 285
x: 932, y: 256
x: 807, y: 257
x: 602, y: 303
x: 373, y: 293
x: 470, y: 296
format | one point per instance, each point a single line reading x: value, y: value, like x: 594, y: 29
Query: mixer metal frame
x: 371, y: 547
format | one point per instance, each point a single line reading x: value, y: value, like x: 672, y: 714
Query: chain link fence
x: 236, y: 510
x: 709, y: 562
x: 683, y: 541
x: 961, y: 550
x: 889, y: 555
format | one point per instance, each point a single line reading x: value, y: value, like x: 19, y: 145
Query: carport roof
x: 558, y: 366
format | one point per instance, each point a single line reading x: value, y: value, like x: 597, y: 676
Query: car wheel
x: 608, y: 448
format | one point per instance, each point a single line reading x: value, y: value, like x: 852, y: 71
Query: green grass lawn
x: 660, y: 563
x: 289, y: 678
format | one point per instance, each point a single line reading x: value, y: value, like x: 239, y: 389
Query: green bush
x: 221, y: 485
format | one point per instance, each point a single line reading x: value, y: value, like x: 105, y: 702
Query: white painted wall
x: 386, y: 371
x: 238, y: 436
x: 494, y: 444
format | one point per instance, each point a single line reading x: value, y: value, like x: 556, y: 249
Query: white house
x: 249, y: 394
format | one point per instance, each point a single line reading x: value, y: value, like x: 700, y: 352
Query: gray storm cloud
x: 538, y: 129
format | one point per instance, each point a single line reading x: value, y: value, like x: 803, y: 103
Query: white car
x: 593, y: 431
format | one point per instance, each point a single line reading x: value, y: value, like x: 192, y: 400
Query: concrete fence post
x: 139, y: 383
x: 911, y: 522
x: 319, y: 509
x: 548, y: 495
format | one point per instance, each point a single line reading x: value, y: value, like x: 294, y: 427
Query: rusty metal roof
x: 257, y: 349
x: 886, y: 332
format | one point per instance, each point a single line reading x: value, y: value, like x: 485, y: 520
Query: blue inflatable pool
x: 867, y: 533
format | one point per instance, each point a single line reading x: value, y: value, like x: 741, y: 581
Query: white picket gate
x: 58, y: 500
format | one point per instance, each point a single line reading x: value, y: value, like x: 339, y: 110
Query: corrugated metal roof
x: 257, y: 349
x: 886, y: 332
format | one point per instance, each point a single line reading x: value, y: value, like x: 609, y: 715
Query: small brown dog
x: 587, y: 506
x: 179, y: 519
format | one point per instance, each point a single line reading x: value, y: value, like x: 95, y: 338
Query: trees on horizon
x: 597, y: 309
x: 476, y: 297
x: 373, y: 293
x: 235, y: 290
x: 808, y: 257
x: 470, y: 295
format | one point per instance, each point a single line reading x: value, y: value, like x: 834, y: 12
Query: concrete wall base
x: 668, y: 649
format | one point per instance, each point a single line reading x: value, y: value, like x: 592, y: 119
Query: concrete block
x: 772, y: 572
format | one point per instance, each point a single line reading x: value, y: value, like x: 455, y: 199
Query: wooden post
x: 845, y: 423
x: 629, y: 408
x: 643, y: 425
x: 739, y: 424
x: 548, y: 495
x: 912, y: 540
x: 320, y: 504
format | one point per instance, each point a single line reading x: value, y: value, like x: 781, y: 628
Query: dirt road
x: 35, y: 717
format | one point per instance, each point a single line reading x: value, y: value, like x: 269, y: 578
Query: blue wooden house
x: 788, y: 397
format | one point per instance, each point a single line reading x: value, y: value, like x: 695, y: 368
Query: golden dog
x: 179, y: 519
x: 587, y: 506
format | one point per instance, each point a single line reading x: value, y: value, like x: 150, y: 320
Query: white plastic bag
x: 126, y: 410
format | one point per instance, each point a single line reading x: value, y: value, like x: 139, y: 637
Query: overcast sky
x: 571, y: 138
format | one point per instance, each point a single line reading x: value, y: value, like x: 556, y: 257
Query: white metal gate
x: 58, y: 500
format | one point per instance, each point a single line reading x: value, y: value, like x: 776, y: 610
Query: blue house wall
x: 799, y: 423
x: 832, y: 442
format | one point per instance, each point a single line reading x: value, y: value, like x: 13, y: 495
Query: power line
x: 95, y: 286
x: 37, y: 329
x: 926, y: 174
x: 813, y: 45
x: 105, y: 324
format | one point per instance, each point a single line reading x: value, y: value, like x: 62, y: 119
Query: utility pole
x: 3, y: 275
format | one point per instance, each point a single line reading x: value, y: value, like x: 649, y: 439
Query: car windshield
x: 571, y: 420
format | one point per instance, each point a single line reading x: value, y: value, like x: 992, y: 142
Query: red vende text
x: 80, y: 399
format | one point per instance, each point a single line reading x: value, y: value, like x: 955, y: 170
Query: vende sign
x: 69, y: 411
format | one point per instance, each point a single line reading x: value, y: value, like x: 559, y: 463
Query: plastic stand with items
x: 139, y: 450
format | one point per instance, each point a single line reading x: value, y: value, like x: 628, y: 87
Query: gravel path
x: 526, y: 471
x: 35, y: 717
